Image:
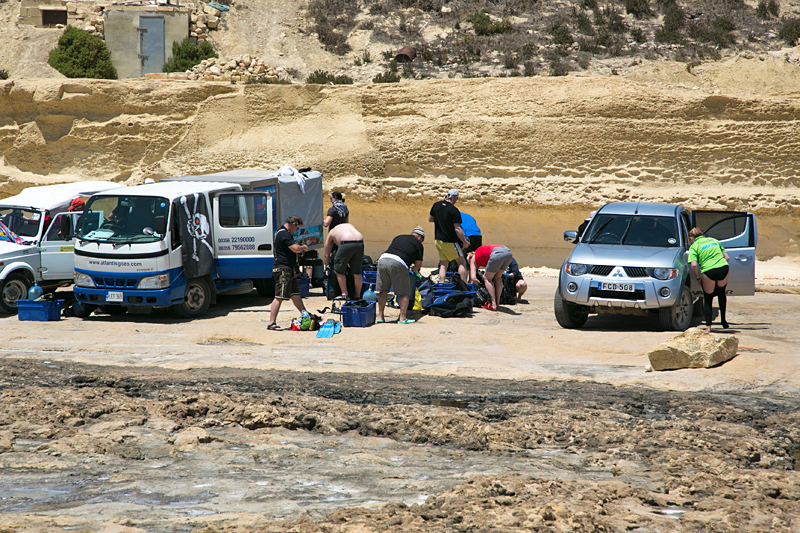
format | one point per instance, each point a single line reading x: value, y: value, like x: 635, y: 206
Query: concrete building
x: 140, y: 37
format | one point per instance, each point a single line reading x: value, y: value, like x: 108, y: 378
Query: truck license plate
x: 114, y: 296
x: 621, y: 287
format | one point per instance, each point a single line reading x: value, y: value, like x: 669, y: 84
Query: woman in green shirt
x: 710, y: 266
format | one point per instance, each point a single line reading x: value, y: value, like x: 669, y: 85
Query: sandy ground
x: 521, y: 342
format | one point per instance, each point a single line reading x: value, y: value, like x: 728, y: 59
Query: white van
x: 42, y: 252
x: 180, y: 242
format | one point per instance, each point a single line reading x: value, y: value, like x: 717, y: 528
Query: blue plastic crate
x: 39, y: 310
x: 358, y: 317
x: 305, y: 287
x: 369, y: 277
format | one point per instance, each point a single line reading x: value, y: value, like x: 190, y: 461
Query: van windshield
x: 22, y: 221
x: 633, y: 230
x: 122, y: 219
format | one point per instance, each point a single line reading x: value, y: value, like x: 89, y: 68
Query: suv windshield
x: 24, y: 222
x: 122, y: 219
x: 633, y: 230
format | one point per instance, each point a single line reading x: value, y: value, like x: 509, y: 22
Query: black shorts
x: 285, y: 282
x: 717, y: 274
x: 350, y: 253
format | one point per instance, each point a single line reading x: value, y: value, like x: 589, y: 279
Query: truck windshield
x: 122, y: 219
x: 22, y: 221
x: 633, y: 230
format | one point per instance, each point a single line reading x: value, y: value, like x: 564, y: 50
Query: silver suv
x: 632, y: 259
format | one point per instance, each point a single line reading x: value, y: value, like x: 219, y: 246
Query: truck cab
x: 180, y: 242
x: 632, y: 259
x: 36, y: 237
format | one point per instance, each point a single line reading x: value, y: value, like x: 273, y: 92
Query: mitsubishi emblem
x: 618, y: 272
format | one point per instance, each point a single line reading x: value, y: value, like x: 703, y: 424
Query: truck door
x: 737, y: 233
x: 57, y: 247
x: 243, y: 235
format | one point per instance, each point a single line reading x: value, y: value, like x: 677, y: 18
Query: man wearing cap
x: 404, y: 253
x: 448, y: 235
x: 350, y: 254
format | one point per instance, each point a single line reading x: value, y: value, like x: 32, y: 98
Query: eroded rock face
x: 693, y: 348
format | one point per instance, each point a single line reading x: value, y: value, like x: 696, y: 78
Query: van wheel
x: 196, y: 299
x: 679, y: 316
x: 15, y: 288
x: 265, y: 287
x: 568, y: 315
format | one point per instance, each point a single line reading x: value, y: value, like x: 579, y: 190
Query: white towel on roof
x: 287, y: 170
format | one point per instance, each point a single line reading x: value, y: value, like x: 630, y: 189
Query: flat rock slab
x: 693, y: 348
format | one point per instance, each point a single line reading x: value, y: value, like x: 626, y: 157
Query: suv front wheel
x: 568, y: 315
x: 679, y: 316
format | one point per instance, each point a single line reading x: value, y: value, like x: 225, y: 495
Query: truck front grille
x: 115, y: 283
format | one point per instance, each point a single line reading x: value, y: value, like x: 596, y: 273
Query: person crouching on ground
x: 349, y: 254
x: 284, y: 269
x: 403, y: 253
x: 495, y: 258
x: 709, y: 262
x: 519, y: 283
x: 447, y: 221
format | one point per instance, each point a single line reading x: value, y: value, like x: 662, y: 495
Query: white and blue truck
x: 180, y: 242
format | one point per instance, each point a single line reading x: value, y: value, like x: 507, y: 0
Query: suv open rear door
x: 737, y: 233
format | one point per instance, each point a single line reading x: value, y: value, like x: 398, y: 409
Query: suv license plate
x: 114, y: 296
x: 621, y: 287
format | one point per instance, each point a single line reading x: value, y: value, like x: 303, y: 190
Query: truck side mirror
x: 160, y: 225
x: 571, y: 236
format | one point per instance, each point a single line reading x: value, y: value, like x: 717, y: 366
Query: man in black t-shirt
x: 338, y: 212
x: 285, y: 251
x: 447, y: 221
x: 403, y: 254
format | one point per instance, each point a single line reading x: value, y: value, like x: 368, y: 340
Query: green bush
x: 186, y: 54
x: 323, y: 77
x: 561, y: 34
x: 674, y: 21
x: 483, y: 25
x: 386, y: 77
x: 790, y: 30
x: 774, y: 8
x: 81, y: 55
x: 640, y: 9
x: 761, y: 10
x: 3, y: 74
x: 583, y: 21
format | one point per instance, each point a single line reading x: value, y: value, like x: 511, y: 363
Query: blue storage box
x: 358, y: 317
x: 39, y: 310
x: 305, y: 286
x: 369, y: 277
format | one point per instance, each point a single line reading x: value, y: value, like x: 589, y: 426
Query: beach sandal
x: 488, y: 307
x: 274, y: 327
x: 380, y: 320
x: 406, y: 321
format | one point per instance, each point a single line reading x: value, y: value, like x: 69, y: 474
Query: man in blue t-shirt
x: 284, y: 269
x: 472, y: 232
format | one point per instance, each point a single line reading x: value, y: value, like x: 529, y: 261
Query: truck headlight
x: 577, y: 269
x: 82, y: 280
x: 154, y: 282
x: 664, y: 273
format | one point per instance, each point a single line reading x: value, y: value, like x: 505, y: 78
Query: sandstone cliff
x: 724, y: 137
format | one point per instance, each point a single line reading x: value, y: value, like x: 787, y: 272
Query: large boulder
x: 693, y: 348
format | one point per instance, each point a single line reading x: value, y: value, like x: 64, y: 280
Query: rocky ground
x: 623, y: 458
x: 218, y: 425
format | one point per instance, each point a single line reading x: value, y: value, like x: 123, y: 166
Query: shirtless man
x: 350, y: 253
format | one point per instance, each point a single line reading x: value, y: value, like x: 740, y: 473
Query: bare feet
x: 708, y: 329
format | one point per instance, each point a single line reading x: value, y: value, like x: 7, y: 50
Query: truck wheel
x: 265, y: 287
x: 15, y: 288
x: 196, y: 299
x: 568, y: 315
x: 679, y: 316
